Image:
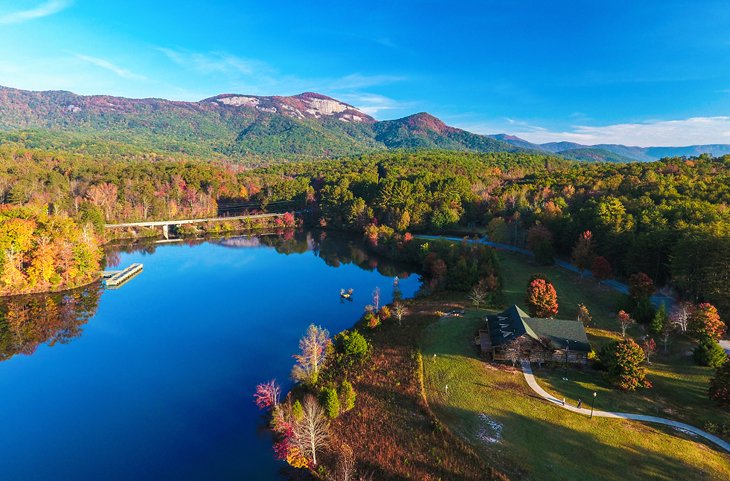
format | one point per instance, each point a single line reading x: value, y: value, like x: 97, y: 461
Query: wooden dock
x: 116, y: 279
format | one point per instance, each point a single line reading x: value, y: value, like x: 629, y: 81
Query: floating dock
x: 115, y: 279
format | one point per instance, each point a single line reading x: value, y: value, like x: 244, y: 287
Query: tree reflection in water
x: 26, y: 322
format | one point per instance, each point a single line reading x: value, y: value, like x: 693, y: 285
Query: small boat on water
x: 346, y: 294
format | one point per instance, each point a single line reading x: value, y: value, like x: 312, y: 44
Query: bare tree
x: 345, y: 470
x: 399, y: 310
x: 666, y: 334
x: 516, y: 350
x: 478, y: 295
x: 313, y: 348
x: 376, y: 299
x: 311, y: 432
x: 681, y: 315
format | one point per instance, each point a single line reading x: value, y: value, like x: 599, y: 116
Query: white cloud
x: 216, y: 62
x: 43, y: 10
x: 107, y: 65
x: 691, y: 131
x: 371, y: 104
x: 256, y: 77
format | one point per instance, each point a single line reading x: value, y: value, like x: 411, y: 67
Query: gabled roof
x: 513, y: 323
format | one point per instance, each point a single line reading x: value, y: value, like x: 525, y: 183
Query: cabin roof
x: 513, y: 323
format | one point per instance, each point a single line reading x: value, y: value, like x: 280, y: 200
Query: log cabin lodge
x: 513, y: 335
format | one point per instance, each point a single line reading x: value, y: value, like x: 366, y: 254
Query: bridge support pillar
x: 166, y: 231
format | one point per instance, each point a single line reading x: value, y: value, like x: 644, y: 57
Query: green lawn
x: 539, y: 441
x: 680, y: 386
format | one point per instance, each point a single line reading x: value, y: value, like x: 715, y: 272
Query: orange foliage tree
x: 542, y: 300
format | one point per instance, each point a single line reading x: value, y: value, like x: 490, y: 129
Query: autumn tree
x: 601, y: 268
x: 641, y: 286
x: 540, y: 242
x: 267, y: 394
x: 720, y: 385
x: 649, y: 348
x: 311, y: 357
x: 584, y: 316
x: 625, y: 321
x: 582, y: 254
x: 399, y: 310
x: 705, y: 321
x: 623, y: 361
x: 478, y: 295
x: 542, y: 299
x: 311, y: 433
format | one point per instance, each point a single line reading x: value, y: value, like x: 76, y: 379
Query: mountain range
x: 236, y: 126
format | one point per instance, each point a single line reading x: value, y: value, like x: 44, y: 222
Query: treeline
x: 41, y: 252
x: 669, y: 219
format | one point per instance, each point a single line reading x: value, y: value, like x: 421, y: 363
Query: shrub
x: 709, y: 353
x: 330, y: 402
x: 347, y: 396
x: 384, y: 313
x: 623, y: 360
x: 720, y: 386
x: 352, y: 348
x: 372, y: 320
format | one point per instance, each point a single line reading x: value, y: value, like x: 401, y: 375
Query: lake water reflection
x: 154, y: 381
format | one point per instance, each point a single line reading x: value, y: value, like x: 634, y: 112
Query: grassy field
x: 680, y: 386
x: 503, y: 419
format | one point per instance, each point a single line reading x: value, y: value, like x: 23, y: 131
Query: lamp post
x: 593, y: 403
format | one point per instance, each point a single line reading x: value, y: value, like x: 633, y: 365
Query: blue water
x: 158, y: 383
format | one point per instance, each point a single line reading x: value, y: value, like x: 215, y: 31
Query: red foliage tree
x: 267, y: 394
x: 705, y: 321
x: 542, y: 300
x: 601, y: 268
x: 625, y: 320
x: 649, y: 347
x: 640, y: 286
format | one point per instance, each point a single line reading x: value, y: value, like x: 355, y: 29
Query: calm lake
x: 154, y: 381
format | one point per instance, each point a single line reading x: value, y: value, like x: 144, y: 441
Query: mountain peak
x: 307, y: 105
x: 427, y: 122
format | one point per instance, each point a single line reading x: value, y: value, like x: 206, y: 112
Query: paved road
x: 657, y: 299
x: 532, y: 382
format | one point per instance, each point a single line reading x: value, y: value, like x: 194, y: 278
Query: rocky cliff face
x: 308, y: 105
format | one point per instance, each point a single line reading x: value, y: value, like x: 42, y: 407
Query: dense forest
x: 669, y: 218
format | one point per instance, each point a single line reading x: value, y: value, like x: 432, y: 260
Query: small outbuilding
x: 513, y: 335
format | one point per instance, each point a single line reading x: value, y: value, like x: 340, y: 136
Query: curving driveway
x: 532, y: 382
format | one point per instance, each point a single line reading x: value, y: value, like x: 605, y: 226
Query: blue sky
x: 641, y: 73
